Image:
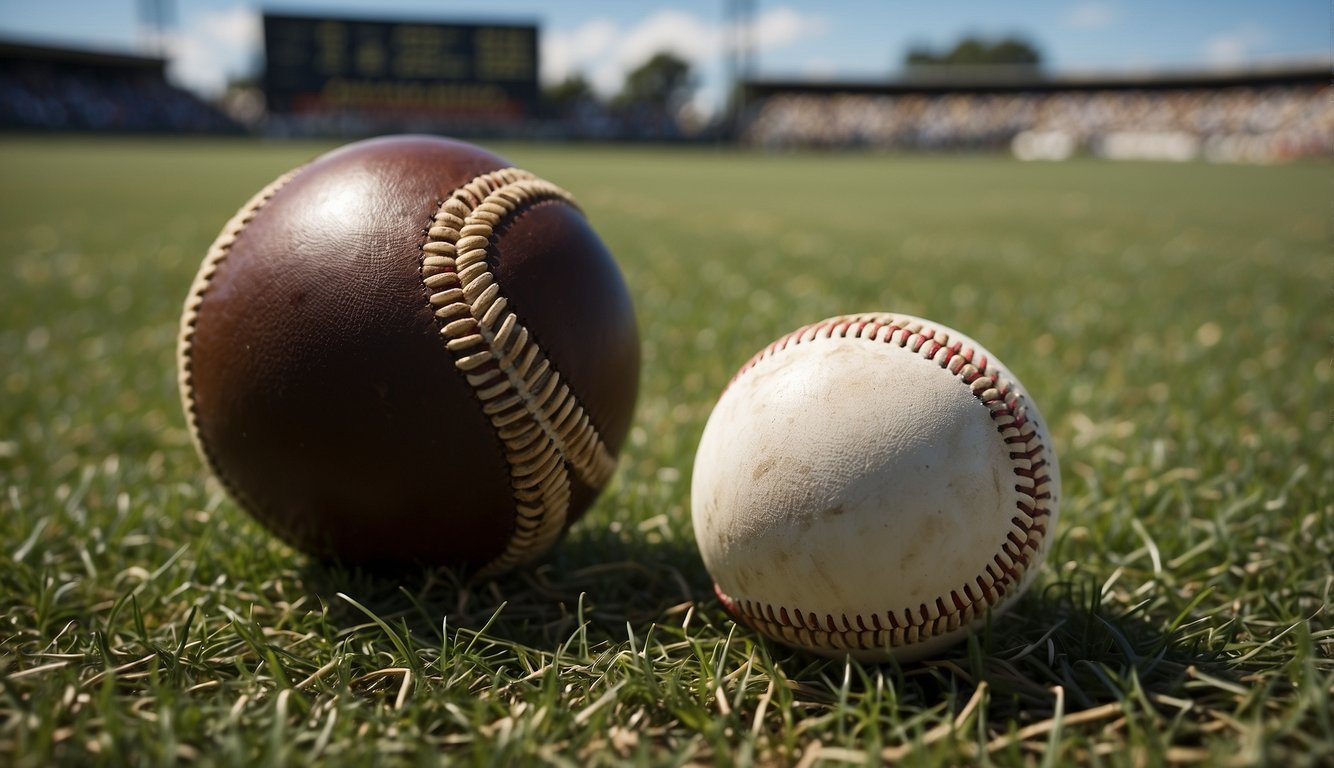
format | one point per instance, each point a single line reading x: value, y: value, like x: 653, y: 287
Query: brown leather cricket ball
x: 408, y: 350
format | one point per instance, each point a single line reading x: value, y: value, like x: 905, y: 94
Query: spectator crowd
x: 1240, y: 123
x: 71, y: 96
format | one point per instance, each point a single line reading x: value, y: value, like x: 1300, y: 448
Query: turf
x: 1172, y: 321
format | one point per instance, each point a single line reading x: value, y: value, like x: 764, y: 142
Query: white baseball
x: 873, y: 485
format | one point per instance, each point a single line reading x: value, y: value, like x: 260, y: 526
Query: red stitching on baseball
x: 998, y: 578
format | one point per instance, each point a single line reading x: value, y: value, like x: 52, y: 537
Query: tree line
x: 666, y: 83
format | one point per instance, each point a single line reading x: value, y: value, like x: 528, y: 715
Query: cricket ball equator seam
x: 546, y: 432
x: 217, y: 253
x: 998, y: 578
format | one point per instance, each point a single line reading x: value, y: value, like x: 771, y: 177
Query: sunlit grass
x: 1173, y: 323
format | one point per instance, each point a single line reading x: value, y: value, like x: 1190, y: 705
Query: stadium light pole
x: 739, y: 42
x: 155, y: 17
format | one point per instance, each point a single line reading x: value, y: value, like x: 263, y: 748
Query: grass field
x: 1173, y: 322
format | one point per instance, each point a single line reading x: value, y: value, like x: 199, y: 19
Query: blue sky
x: 213, y: 39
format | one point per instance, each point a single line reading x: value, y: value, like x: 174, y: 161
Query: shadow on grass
x: 1064, y: 635
x: 602, y: 579
x: 1057, y: 635
x: 614, y: 583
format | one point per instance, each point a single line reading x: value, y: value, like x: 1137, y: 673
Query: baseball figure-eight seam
x: 1008, y: 568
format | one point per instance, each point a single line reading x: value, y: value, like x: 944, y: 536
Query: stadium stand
x: 65, y: 89
x: 1264, y: 116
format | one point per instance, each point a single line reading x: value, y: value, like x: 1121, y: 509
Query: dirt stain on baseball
x: 930, y: 529
x: 832, y: 584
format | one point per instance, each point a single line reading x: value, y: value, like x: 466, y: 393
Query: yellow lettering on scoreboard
x: 331, y: 47
x: 503, y: 54
x: 395, y: 70
x: 425, y: 53
x: 371, y: 57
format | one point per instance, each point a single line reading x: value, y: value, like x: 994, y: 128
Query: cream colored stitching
x: 540, y: 422
x: 1008, y: 568
x: 217, y: 253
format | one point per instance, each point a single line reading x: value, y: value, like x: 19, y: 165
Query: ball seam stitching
x: 1009, y: 566
x: 217, y: 254
x: 546, y: 432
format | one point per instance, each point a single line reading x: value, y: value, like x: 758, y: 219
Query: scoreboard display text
x: 399, y: 69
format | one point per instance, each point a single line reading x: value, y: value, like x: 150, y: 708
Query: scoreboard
x: 394, y: 70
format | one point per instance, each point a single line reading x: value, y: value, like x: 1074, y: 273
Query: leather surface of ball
x: 873, y: 485
x: 408, y: 350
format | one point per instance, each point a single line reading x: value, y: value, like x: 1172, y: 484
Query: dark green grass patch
x: 1172, y: 322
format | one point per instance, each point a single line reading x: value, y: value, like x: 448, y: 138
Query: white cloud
x: 783, y: 26
x: 215, y: 46
x: 565, y: 55
x: 1236, y: 46
x: 683, y: 34
x: 1090, y: 15
x: 604, y: 51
